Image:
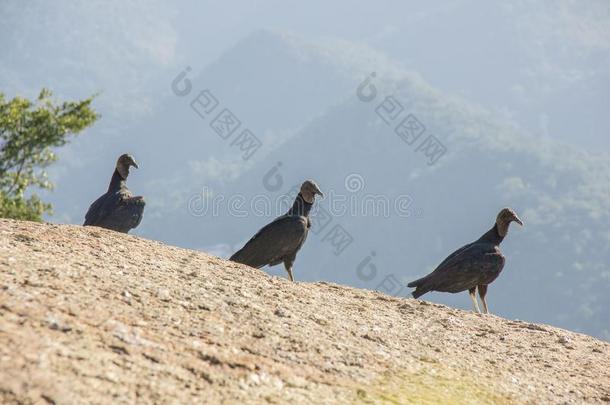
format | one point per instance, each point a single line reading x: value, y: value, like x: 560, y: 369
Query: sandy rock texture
x: 92, y: 316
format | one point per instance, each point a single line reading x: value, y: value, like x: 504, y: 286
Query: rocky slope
x: 88, y: 315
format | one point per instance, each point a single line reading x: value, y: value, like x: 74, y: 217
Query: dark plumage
x: 474, y: 265
x: 118, y: 209
x: 280, y: 240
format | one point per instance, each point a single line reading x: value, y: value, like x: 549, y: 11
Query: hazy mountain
x: 557, y: 269
x: 273, y: 83
x: 544, y: 64
x: 77, y: 49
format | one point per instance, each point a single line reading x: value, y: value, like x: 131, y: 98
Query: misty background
x: 517, y: 93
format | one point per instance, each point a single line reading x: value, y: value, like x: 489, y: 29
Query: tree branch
x: 18, y: 175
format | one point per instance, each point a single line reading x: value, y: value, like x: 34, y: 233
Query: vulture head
x: 309, y: 189
x: 505, y: 217
x: 124, y: 163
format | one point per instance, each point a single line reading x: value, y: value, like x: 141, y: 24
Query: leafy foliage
x: 28, y: 133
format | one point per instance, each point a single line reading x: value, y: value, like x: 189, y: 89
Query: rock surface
x: 89, y: 315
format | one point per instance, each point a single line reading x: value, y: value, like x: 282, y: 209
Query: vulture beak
x: 518, y: 220
x: 318, y: 192
x: 134, y: 164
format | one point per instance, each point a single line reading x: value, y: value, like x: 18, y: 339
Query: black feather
x: 278, y: 241
x: 478, y: 263
x: 117, y: 209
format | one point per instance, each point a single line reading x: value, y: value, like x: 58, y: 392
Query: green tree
x: 29, y: 132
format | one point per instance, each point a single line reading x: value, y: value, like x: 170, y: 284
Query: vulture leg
x: 288, y: 266
x: 482, y: 293
x: 473, y: 297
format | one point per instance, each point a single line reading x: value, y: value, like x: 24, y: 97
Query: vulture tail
x: 417, y: 283
x: 419, y: 286
x: 418, y: 292
x: 237, y: 257
x: 244, y: 256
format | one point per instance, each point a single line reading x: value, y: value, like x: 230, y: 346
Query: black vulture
x: 474, y: 265
x: 280, y: 240
x: 118, y: 209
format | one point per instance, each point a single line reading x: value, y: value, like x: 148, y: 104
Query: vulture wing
x: 472, y: 265
x: 126, y: 215
x: 278, y: 241
x: 451, y: 258
x: 117, y: 211
x: 101, y: 208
